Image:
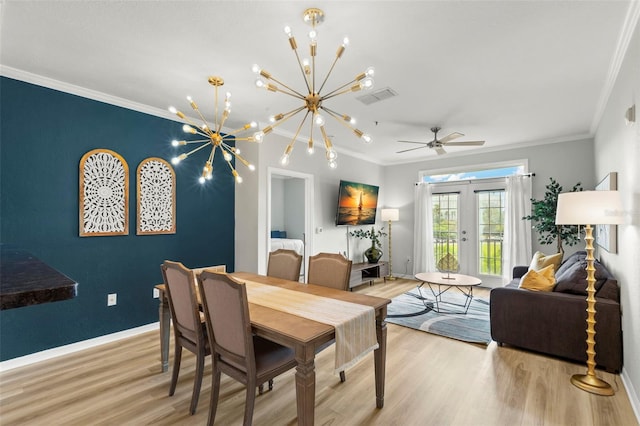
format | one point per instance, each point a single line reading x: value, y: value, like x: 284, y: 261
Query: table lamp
x: 390, y: 215
x: 590, y: 208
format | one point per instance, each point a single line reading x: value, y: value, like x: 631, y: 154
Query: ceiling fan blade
x: 423, y: 143
x: 439, y: 150
x: 451, y: 136
x: 410, y: 149
x: 466, y: 143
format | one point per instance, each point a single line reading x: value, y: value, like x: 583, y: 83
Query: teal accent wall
x: 44, y: 134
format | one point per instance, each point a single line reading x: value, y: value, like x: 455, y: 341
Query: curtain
x: 423, y: 257
x: 517, y: 232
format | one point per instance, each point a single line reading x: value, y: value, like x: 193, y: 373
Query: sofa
x: 554, y: 322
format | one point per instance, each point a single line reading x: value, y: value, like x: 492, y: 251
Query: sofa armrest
x: 555, y: 323
x: 519, y: 271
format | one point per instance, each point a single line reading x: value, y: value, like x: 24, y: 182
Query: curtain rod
x: 479, y: 179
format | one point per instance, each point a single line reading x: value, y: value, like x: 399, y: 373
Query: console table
x: 362, y: 273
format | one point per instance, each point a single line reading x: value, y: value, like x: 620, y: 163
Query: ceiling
x: 511, y: 73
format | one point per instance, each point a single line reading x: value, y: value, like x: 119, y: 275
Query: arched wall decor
x: 104, y: 194
x: 156, y: 187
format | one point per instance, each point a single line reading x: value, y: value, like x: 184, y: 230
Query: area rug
x: 411, y: 310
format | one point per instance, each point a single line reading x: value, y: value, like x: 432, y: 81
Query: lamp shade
x: 589, y: 208
x: 390, y: 214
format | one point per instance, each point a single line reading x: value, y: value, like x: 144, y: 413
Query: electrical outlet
x: 112, y: 299
x: 156, y: 293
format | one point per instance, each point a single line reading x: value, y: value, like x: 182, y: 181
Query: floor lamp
x: 590, y: 208
x: 390, y: 215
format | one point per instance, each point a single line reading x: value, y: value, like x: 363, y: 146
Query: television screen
x: 357, y: 203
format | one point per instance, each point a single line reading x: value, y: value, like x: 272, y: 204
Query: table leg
x: 164, y: 316
x: 380, y: 358
x: 305, y: 385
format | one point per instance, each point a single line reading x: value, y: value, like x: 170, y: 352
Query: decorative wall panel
x: 156, y: 185
x: 104, y: 194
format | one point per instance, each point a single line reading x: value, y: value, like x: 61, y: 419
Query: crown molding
x: 629, y: 26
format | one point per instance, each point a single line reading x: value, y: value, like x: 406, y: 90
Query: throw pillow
x: 574, y: 279
x: 542, y: 280
x: 541, y: 260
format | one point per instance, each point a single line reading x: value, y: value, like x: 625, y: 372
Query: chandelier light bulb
x: 202, y: 180
x: 311, y: 150
x: 332, y: 154
x: 227, y: 157
x: 333, y: 164
x: 318, y: 120
x: 260, y: 83
x: 188, y: 129
x: 345, y: 42
x: 175, y: 160
x: 253, y: 124
x: 313, y: 35
x: 175, y: 143
x: 287, y: 31
x: 366, y: 138
x: 367, y: 83
x: 172, y: 110
x: 255, y: 68
x: 252, y: 167
x: 370, y: 71
x: 258, y: 136
x: 284, y: 160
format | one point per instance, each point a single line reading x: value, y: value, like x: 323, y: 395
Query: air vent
x: 377, y: 96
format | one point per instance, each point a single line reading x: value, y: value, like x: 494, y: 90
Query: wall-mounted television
x: 357, y: 203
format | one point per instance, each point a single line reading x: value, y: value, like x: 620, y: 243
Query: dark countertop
x: 26, y: 280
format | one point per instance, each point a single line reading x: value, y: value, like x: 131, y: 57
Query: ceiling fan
x: 439, y: 144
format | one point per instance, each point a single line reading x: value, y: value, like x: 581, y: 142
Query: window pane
x: 491, y: 229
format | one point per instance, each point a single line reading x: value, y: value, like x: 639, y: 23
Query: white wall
x: 617, y: 149
x: 251, y: 227
x: 567, y: 162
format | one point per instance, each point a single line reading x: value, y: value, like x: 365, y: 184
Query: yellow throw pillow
x: 542, y: 280
x: 541, y: 260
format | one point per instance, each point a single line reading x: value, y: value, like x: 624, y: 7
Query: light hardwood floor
x: 431, y: 380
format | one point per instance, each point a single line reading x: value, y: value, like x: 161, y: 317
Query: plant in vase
x: 373, y: 253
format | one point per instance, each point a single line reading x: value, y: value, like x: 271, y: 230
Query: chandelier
x: 315, y: 99
x: 213, y: 136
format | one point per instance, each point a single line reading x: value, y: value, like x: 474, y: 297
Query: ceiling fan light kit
x: 439, y: 144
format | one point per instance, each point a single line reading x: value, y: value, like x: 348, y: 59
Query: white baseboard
x: 631, y: 392
x: 75, y: 347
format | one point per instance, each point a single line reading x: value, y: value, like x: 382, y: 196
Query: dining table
x: 305, y: 336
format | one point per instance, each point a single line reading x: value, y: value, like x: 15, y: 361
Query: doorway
x: 289, y: 213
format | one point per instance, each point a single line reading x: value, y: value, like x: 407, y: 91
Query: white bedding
x: 287, y: 243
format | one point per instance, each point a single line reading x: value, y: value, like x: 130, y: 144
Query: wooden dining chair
x: 189, y: 326
x: 284, y: 264
x: 238, y: 353
x: 330, y: 270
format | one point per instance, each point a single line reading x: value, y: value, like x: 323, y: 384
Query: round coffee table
x: 439, y: 283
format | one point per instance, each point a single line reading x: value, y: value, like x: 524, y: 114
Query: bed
x: 287, y: 243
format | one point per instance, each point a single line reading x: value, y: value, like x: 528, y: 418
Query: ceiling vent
x: 377, y: 96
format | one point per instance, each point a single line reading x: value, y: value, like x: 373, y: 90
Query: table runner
x: 355, y: 324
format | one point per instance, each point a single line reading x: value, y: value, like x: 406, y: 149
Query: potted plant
x: 543, y: 217
x: 373, y: 253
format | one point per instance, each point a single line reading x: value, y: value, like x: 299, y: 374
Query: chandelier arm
x: 291, y: 91
x: 300, y: 127
x: 335, y: 93
x: 335, y: 61
x: 212, y: 154
x: 289, y: 115
x: 197, y: 141
x: 204, y: 120
x: 193, y: 151
x: 225, y: 115
x: 304, y: 75
x: 338, y: 117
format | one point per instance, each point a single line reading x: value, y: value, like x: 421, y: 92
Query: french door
x: 468, y: 224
